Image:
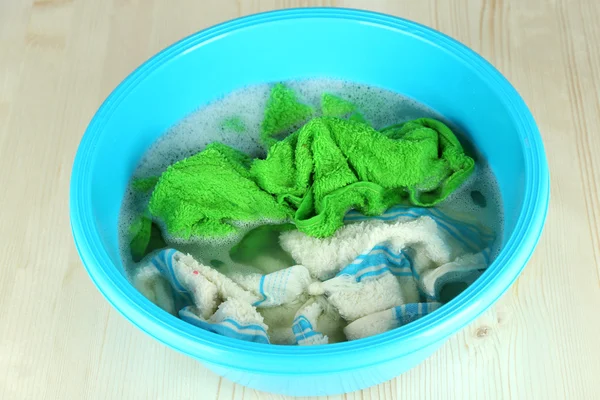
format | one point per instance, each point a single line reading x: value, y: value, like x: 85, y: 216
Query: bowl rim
x: 241, y: 355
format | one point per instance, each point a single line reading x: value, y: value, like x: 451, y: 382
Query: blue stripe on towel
x: 163, y: 261
x: 228, y: 327
x: 273, y: 287
x: 261, y: 290
x: 303, y: 329
x: 472, y: 237
x: 408, y: 313
x: 378, y: 261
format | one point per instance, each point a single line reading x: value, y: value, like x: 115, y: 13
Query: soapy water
x: 235, y: 120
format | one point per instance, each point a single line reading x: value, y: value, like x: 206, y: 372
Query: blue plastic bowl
x: 358, y: 46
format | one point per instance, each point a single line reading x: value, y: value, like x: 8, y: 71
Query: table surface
x: 59, y: 339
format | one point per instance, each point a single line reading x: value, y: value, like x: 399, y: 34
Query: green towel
x: 283, y: 112
x: 145, y: 238
x: 144, y: 184
x: 332, y: 165
x: 208, y: 193
x: 313, y: 176
x: 334, y: 106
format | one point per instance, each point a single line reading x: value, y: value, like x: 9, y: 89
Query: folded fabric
x: 375, y: 273
x: 287, y: 322
x: 200, y: 285
x: 276, y: 288
x: 153, y: 285
x: 324, y: 258
x: 234, y: 319
x: 355, y: 297
x: 313, y: 176
x: 410, y: 261
x: 386, y: 320
x: 283, y: 112
x: 204, y: 195
x: 332, y: 165
x: 305, y: 323
x: 213, y: 301
x: 462, y: 232
x: 280, y: 320
x: 382, y: 277
x: 204, y: 285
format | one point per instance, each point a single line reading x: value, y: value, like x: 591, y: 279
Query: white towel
x: 385, y: 267
x: 465, y: 269
x: 280, y: 319
x: 356, y: 299
x: 150, y: 282
x: 386, y: 320
x: 377, y: 273
x: 172, y: 274
x: 305, y: 324
x: 377, y: 279
x: 203, y: 289
x: 276, y: 288
x: 197, y: 284
x: 234, y: 318
x: 188, y: 272
x: 463, y: 233
x: 326, y: 257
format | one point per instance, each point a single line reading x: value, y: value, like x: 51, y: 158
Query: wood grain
x: 59, y: 339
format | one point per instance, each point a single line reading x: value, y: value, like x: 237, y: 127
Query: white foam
x: 204, y: 126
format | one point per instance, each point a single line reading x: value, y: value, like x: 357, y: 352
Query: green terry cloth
x: 334, y: 106
x: 313, y: 176
x: 332, y: 165
x: 283, y: 112
x: 144, y: 184
x: 145, y: 238
x: 209, y: 192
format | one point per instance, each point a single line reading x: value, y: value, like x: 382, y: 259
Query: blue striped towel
x: 277, y: 288
x: 471, y: 237
x: 408, y: 313
x: 418, y: 285
x: 228, y: 325
x: 304, y: 325
x: 386, y: 320
x: 164, y: 262
x: 241, y: 320
x: 233, y: 318
x: 377, y: 261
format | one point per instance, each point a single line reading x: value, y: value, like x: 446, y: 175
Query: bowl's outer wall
x: 344, y: 381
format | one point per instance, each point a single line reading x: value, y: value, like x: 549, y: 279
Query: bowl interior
x: 308, y: 47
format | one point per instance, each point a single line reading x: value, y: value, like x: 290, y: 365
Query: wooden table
x: 59, y: 339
